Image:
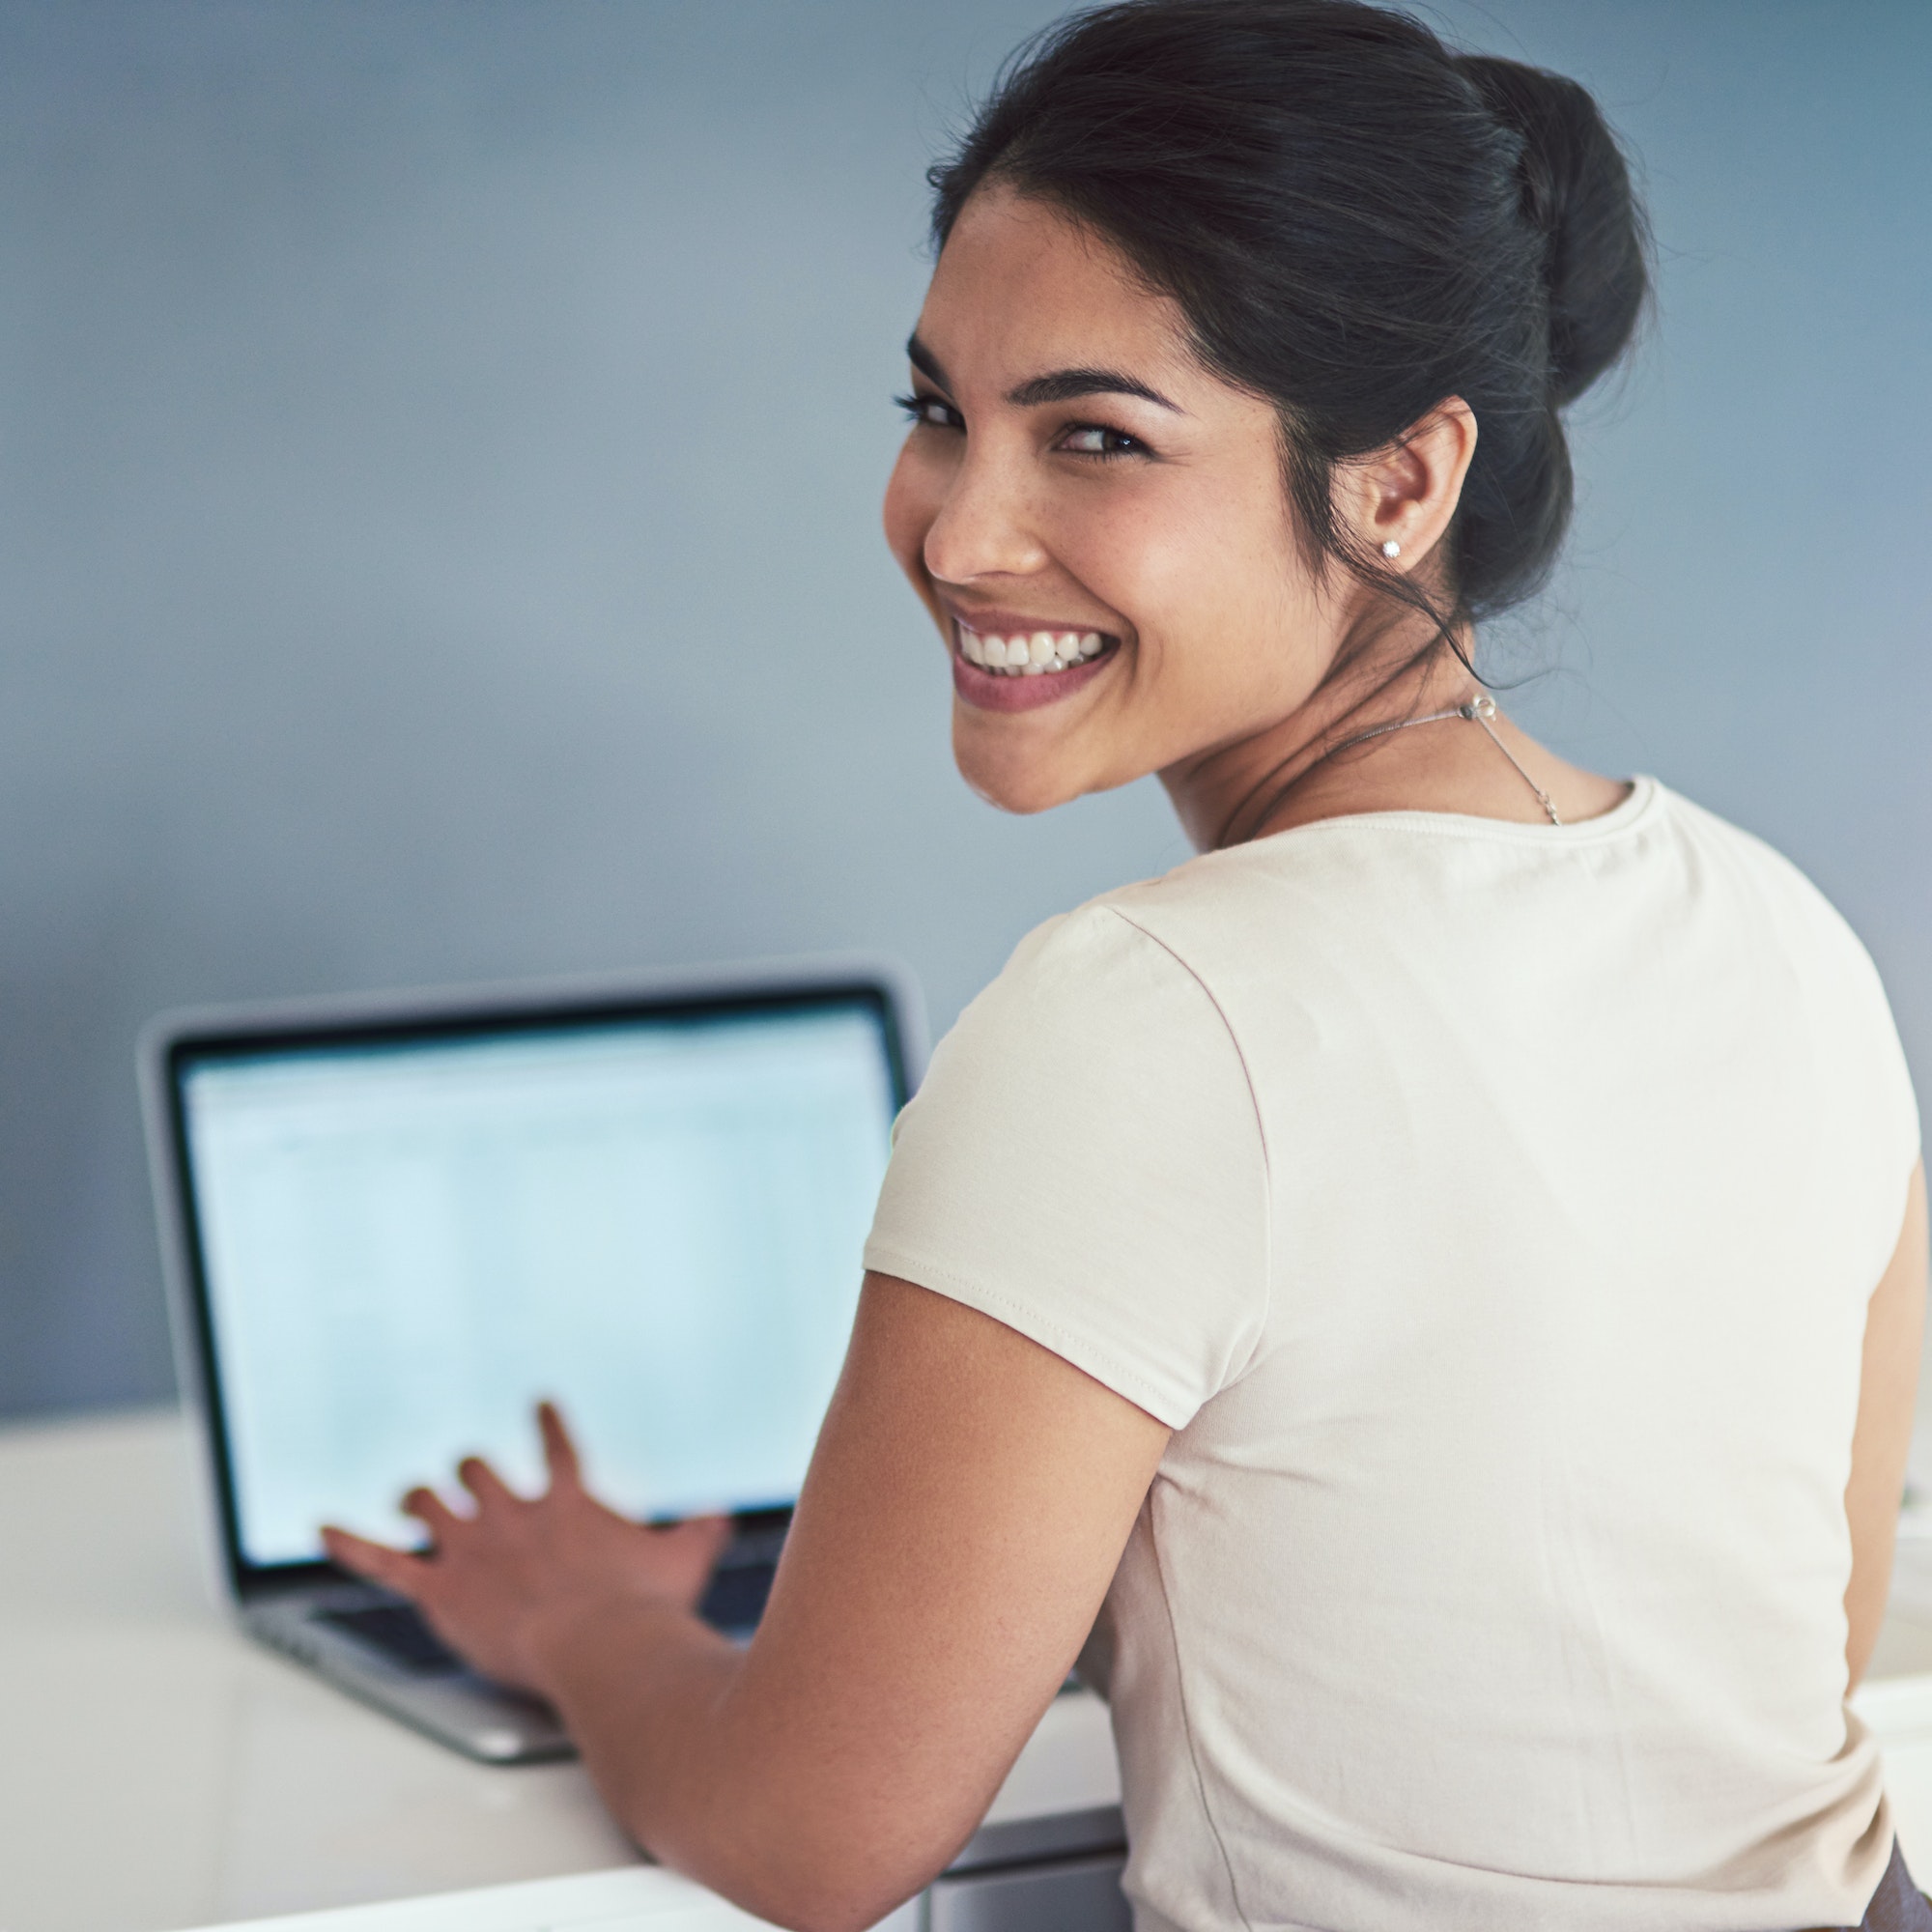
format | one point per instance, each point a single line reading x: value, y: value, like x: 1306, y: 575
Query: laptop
x: 392, y: 1224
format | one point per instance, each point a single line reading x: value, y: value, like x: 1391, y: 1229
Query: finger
x: 684, y: 1555
x: 484, y: 1484
x: 707, y: 1533
x: 431, y: 1511
x: 393, y: 1569
x: 561, y: 1458
x: 697, y: 1540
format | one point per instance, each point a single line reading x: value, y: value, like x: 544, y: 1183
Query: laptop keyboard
x: 735, y: 1599
x: 399, y: 1634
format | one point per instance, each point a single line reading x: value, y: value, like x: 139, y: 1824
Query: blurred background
x: 439, y: 458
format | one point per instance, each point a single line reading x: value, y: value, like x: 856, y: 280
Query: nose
x: 985, y: 527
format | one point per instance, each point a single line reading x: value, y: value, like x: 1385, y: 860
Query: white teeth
x: 1025, y: 656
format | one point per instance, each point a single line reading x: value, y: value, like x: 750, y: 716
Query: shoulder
x: 1097, y: 1038
x: 1098, y: 993
x: 1699, y: 828
x: 1084, y: 1162
x: 1804, y: 920
x: 1797, y: 933
x: 1111, y: 952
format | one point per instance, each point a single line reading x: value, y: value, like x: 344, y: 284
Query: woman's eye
x: 931, y: 412
x: 1092, y: 439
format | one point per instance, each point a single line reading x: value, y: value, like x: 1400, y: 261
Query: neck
x: 1237, y: 791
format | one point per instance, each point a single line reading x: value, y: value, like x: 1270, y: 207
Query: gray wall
x: 439, y: 485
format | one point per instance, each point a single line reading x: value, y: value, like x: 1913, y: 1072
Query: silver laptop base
x: 462, y: 1710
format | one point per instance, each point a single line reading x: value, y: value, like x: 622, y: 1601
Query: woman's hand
x: 494, y: 1580
x: 964, y: 1513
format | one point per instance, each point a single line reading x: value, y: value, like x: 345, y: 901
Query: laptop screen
x: 655, y: 1220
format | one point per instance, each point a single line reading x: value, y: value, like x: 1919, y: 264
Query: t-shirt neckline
x: 1640, y: 801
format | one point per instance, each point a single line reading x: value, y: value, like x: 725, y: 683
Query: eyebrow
x: 1064, y: 385
x: 927, y: 362
x: 1059, y: 385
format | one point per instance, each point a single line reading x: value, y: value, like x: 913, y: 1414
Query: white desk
x: 156, y: 1771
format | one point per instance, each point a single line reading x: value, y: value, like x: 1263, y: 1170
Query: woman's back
x: 1493, y: 1210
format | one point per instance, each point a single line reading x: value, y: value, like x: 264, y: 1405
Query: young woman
x: 1424, y: 1299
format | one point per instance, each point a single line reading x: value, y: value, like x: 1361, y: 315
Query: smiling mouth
x: 1029, y: 653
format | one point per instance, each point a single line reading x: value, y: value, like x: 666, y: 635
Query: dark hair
x: 1358, y: 224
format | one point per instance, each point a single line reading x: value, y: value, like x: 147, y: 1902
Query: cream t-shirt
x: 1492, y: 1211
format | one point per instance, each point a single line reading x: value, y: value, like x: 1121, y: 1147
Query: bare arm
x: 1888, y: 1390
x: 965, y: 1511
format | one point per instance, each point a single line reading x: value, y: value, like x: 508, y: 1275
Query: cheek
x: 1227, y: 638
x: 912, y: 504
x: 1183, y: 568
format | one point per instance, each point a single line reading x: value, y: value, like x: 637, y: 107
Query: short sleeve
x: 1084, y: 1164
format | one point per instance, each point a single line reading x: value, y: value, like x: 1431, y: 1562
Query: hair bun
x: 1577, y: 189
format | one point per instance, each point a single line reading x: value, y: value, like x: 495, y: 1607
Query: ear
x: 1406, y: 494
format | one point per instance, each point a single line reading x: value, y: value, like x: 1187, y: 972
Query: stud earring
x: 1391, y: 550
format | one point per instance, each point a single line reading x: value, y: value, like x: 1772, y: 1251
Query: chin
x: 1017, y: 784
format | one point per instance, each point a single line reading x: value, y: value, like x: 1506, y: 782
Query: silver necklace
x: 1481, y: 709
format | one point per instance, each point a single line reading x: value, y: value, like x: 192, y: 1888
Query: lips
x: 1021, y: 669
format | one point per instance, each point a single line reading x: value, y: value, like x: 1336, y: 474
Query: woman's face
x: 1076, y: 486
